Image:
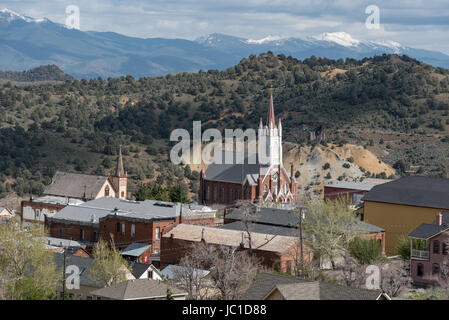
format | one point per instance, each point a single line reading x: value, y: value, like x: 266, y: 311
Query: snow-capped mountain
x: 26, y: 43
x: 7, y: 16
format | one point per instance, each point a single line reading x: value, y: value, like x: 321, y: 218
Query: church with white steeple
x: 265, y: 181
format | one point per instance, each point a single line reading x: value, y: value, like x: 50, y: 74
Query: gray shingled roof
x: 262, y: 228
x: 137, y: 289
x: 84, y: 265
x: 273, y: 216
x: 278, y: 217
x: 428, y: 230
x: 236, y: 172
x: 139, y: 268
x: 413, y: 191
x: 66, y: 184
x: 293, y: 288
x: 135, y: 249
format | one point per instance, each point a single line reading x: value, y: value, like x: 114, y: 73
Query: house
x: 5, y: 214
x: 145, y: 271
x: 276, y: 252
x: 354, y: 191
x: 224, y: 183
x: 281, y: 222
x: 87, y: 281
x: 73, y: 247
x: 400, y: 206
x: 139, y: 289
x: 429, y: 251
x: 124, y: 222
x: 268, y: 286
x: 137, y: 252
x: 74, y: 189
x: 173, y: 271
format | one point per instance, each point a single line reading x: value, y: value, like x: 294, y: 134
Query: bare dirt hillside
x: 345, y: 163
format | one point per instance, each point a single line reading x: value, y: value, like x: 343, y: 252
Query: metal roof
x: 171, y: 271
x: 135, y: 249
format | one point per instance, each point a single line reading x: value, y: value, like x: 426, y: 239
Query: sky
x: 414, y: 23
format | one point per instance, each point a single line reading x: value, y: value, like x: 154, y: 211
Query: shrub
x: 404, y: 248
x: 366, y: 251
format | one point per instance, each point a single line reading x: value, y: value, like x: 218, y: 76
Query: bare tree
x: 394, y: 277
x: 190, y: 276
x: 231, y: 270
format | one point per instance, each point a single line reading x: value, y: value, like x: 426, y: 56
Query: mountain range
x: 27, y: 43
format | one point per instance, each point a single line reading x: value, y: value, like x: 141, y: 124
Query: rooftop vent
x: 164, y: 204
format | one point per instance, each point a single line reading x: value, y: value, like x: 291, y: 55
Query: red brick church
x: 226, y: 183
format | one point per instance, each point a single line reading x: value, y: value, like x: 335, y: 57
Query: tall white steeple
x: 273, y: 135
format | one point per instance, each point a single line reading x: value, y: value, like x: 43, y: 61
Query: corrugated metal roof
x: 135, y: 249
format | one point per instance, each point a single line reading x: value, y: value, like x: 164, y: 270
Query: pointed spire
x: 271, y: 122
x: 119, y: 172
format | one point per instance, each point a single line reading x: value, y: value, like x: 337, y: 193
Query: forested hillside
x: 395, y: 106
x: 42, y: 73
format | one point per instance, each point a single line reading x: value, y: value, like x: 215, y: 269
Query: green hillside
x: 395, y: 106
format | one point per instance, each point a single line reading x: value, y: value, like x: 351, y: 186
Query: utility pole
x: 300, y: 241
x: 63, y: 277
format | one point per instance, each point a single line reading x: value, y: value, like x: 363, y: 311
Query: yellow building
x: 402, y: 205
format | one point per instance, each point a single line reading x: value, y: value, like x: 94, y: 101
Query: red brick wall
x: 174, y: 249
x: 331, y: 193
x: 72, y: 231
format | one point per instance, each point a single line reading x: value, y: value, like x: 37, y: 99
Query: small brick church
x: 227, y: 183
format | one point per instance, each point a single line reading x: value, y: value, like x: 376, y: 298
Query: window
x: 38, y: 212
x: 95, y: 236
x: 118, y: 227
x: 106, y: 191
x: 215, y: 193
x: 150, y: 274
x: 222, y: 194
x: 436, y: 246
x: 435, y: 268
x: 207, y: 193
x: 445, y: 248
x: 60, y: 232
x: 158, y: 231
x: 123, y: 229
x: 420, y: 270
x: 82, y: 234
x: 237, y: 194
x: 248, y: 196
x: 133, y: 230
x: 230, y: 195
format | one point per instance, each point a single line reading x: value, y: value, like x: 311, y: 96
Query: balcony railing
x: 420, y: 254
